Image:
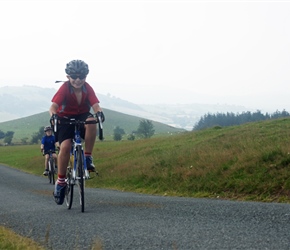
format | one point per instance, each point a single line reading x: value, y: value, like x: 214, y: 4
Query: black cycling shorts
x: 66, y: 131
x: 47, y: 152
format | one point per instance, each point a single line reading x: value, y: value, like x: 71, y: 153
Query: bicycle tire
x: 69, y: 191
x: 80, y: 175
x: 49, y: 170
x: 53, y: 171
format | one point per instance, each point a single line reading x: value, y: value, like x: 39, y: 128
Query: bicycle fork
x: 86, y: 174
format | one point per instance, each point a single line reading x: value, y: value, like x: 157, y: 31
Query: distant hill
x: 20, y: 102
x: 17, y: 102
x: 27, y: 126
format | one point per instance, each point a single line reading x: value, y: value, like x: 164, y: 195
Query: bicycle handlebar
x: 55, y: 125
x: 100, y: 124
x: 72, y: 121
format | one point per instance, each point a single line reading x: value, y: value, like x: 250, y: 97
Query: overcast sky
x: 233, y: 52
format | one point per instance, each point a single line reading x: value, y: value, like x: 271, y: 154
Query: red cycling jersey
x: 66, y: 99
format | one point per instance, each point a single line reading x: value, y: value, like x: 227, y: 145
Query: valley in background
x: 19, y: 102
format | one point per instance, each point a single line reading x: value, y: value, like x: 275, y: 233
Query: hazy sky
x: 234, y: 52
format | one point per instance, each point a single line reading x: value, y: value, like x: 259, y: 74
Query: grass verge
x: 12, y: 241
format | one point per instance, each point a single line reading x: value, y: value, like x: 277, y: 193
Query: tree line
x: 8, y: 136
x: 230, y: 119
x: 145, y: 130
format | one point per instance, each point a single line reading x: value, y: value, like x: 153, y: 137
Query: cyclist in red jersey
x: 74, y: 99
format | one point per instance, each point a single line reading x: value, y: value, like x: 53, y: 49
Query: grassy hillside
x: 249, y: 162
x: 25, y: 127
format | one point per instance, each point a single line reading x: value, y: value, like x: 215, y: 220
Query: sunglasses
x: 81, y: 77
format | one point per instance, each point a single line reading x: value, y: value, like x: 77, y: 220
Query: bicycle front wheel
x: 53, y: 171
x: 69, y: 192
x: 50, y: 171
x: 80, y: 176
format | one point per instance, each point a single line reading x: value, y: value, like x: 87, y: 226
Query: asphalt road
x: 123, y: 220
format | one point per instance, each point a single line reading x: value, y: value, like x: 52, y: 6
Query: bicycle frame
x: 77, y: 144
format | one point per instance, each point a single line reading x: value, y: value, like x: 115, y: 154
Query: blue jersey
x: 48, y: 142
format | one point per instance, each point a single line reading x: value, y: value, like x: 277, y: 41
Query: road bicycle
x: 51, y: 166
x: 77, y: 172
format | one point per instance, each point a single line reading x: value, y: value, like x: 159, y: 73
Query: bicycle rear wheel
x: 69, y: 192
x: 80, y: 175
